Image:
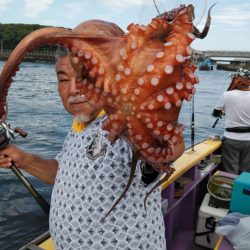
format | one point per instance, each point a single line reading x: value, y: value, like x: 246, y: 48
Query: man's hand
x: 44, y: 169
x: 12, y: 153
x: 217, y: 113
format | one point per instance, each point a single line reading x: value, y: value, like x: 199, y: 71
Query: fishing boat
x: 180, y: 203
x: 206, y: 65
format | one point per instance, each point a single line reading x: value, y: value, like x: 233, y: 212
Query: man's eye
x: 63, y: 81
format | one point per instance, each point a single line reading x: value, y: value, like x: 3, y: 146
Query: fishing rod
x: 192, y: 125
x: 5, y: 135
x: 216, y: 121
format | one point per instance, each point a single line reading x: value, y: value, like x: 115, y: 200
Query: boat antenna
x: 192, y: 124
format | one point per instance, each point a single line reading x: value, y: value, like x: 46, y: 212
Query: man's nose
x: 74, y: 87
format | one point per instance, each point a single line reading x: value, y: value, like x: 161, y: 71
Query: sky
x: 230, y: 28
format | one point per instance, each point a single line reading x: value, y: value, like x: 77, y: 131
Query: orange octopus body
x: 144, y: 86
x: 140, y: 78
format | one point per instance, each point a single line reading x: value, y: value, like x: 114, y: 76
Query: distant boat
x: 206, y: 65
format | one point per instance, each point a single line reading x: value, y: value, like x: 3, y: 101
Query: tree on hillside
x: 12, y: 34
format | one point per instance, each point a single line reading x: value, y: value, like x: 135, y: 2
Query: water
x: 34, y: 106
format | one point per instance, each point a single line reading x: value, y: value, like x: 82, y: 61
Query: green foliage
x: 12, y: 34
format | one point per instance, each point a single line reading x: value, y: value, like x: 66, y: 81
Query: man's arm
x: 44, y: 169
x: 219, y: 108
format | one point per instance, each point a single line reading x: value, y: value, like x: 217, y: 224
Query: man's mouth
x: 79, y: 99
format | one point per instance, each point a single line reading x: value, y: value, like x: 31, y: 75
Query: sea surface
x: 35, y: 107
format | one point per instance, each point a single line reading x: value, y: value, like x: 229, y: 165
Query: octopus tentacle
x: 204, y: 33
x: 30, y: 42
x: 59, y: 36
x: 131, y: 176
x: 168, y: 172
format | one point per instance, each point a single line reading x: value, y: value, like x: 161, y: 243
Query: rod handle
x: 216, y: 121
x: 40, y: 200
x: 20, y: 132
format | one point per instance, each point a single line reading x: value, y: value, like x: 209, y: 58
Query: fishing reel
x: 6, y: 134
x: 217, y: 114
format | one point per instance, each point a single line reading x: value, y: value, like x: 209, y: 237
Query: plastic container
x: 207, y: 221
x: 240, y: 201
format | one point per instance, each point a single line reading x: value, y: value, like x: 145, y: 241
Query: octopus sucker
x: 160, y: 54
x: 189, y: 50
x: 156, y: 102
x: 140, y: 78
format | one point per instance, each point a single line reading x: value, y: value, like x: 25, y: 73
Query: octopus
x: 140, y: 78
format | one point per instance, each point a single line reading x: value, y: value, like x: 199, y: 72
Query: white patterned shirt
x: 92, y: 174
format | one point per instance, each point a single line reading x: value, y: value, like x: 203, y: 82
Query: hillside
x: 12, y: 34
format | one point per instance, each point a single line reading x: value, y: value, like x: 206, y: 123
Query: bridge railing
x: 36, y: 55
x: 225, y: 53
x: 49, y: 55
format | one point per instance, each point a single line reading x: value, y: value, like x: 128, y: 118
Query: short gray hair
x: 61, y: 52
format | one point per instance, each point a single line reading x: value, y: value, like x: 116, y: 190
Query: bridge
x: 37, y: 55
x: 240, y: 58
x: 221, y: 53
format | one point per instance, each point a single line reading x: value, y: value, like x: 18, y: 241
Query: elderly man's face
x: 69, y: 89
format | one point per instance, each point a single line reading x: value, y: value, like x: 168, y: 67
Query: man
x: 235, y: 103
x: 89, y: 174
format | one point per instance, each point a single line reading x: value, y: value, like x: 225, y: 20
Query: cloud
x: 76, y: 10
x: 234, y: 15
x: 34, y: 8
x: 4, y: 5
x: 120, y: 5
x: 71, y: 14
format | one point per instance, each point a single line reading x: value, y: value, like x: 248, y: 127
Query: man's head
x: 240, y: 80
x: 71, y: 79
x: 69, y: 86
